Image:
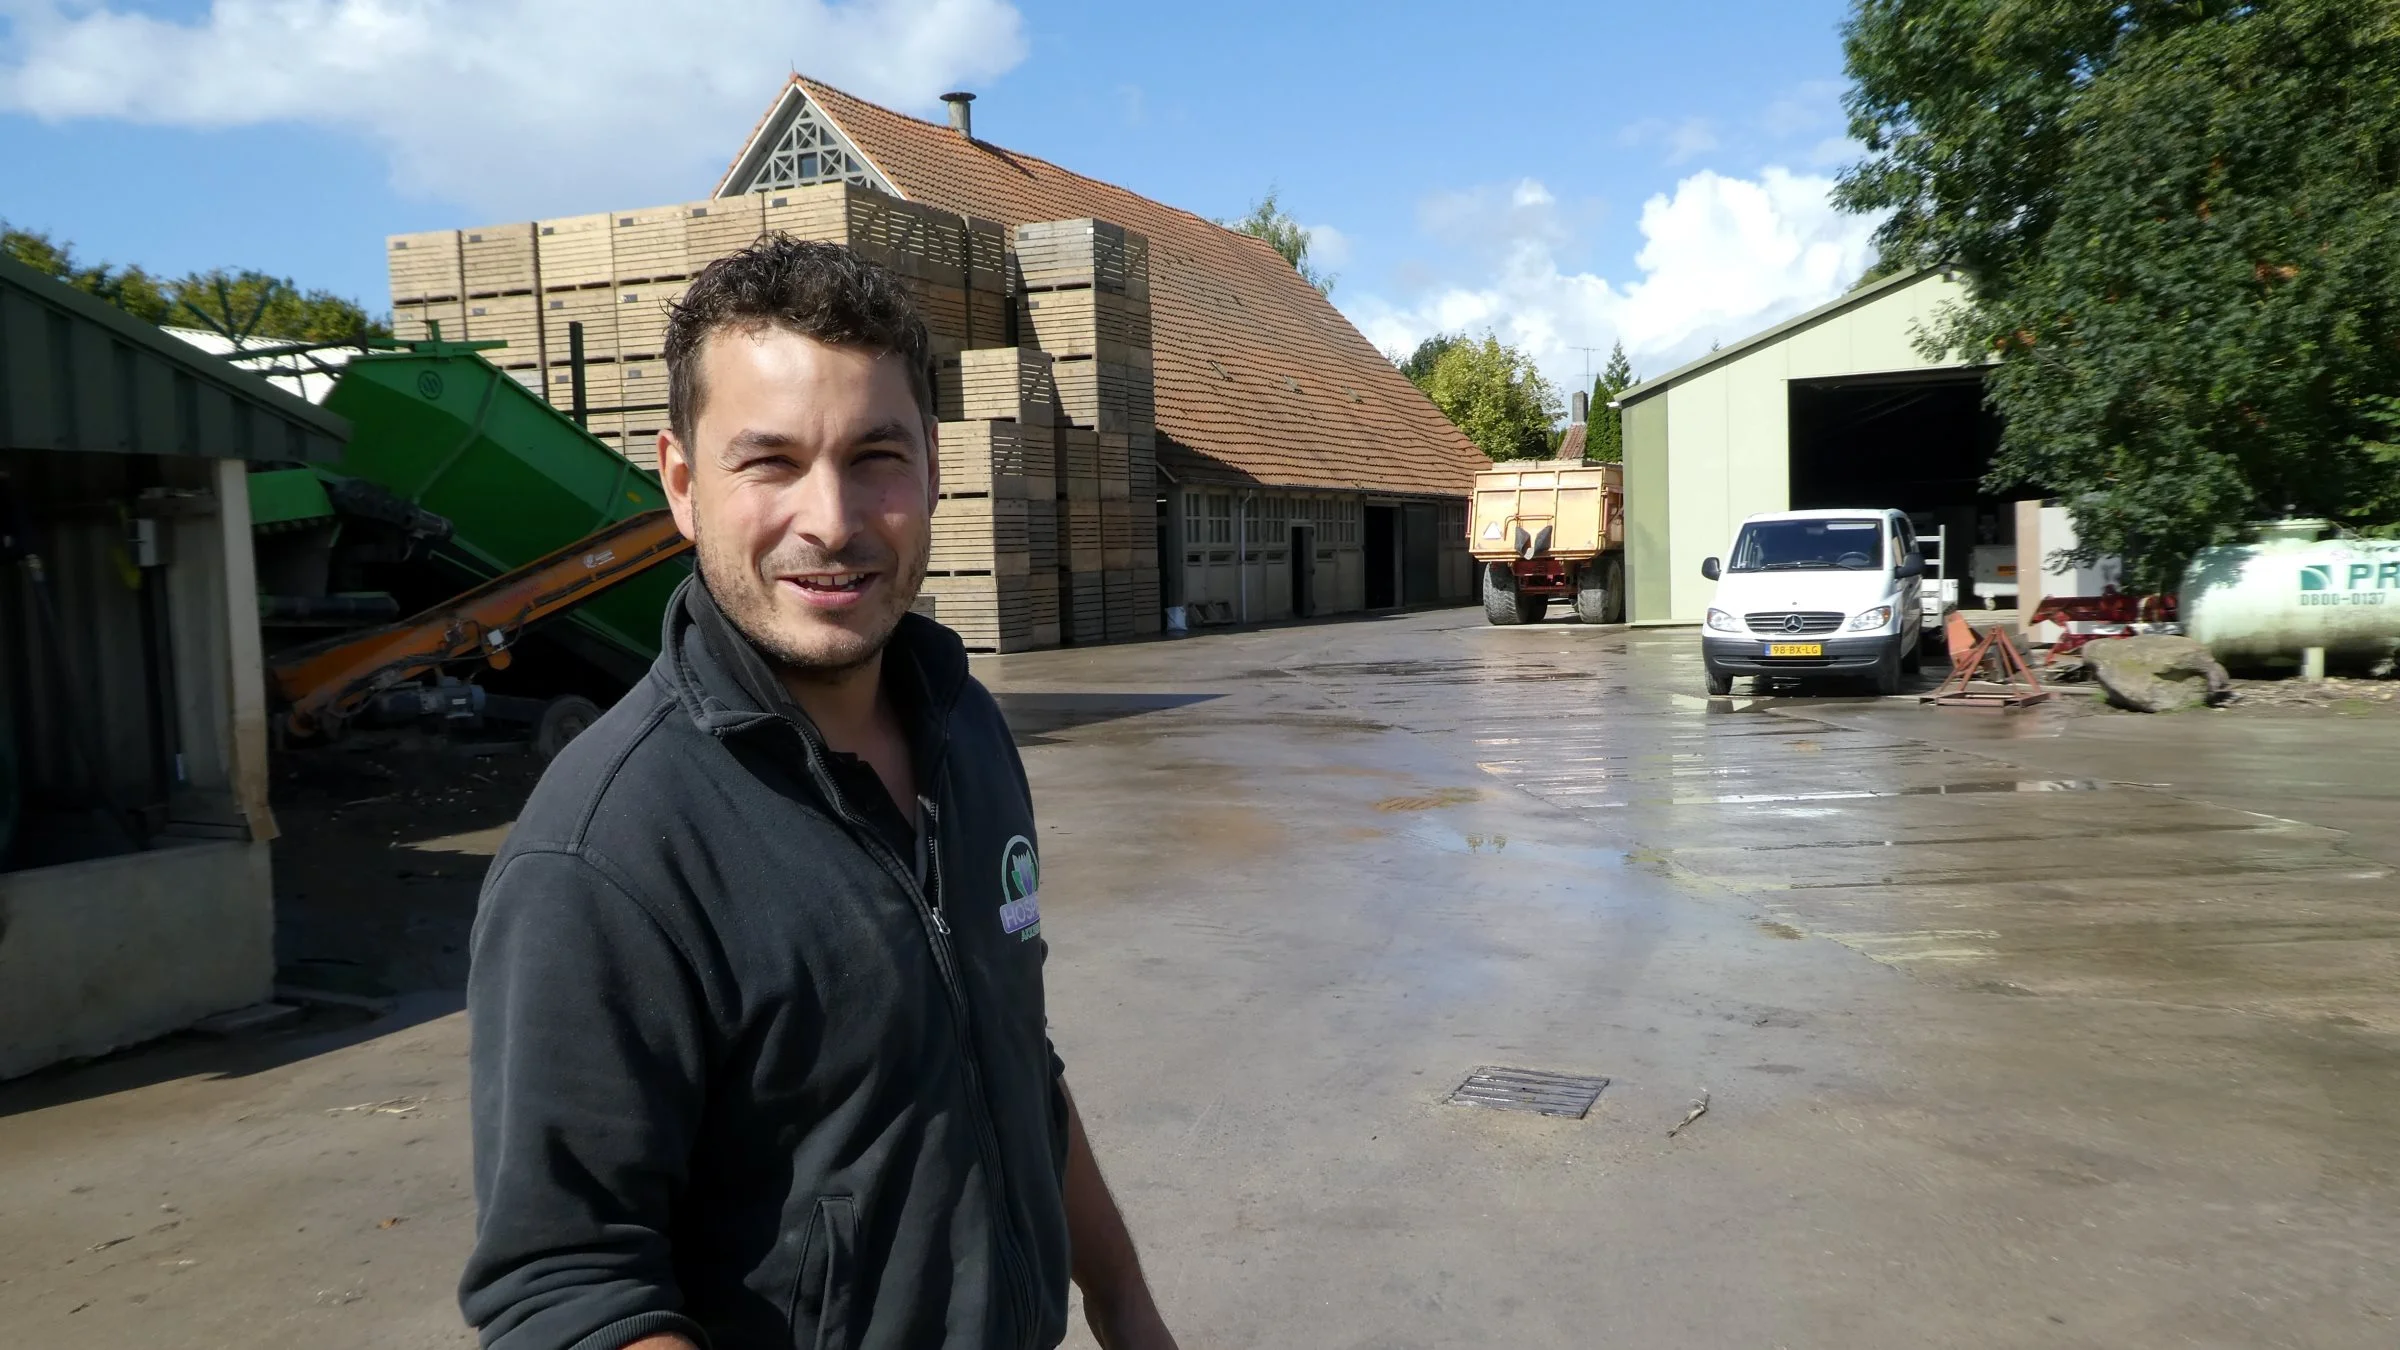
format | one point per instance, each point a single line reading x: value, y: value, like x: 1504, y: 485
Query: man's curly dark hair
x: 816, y: 289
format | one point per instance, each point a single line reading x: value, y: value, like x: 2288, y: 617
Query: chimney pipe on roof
x: 1583, y: 407
x: 962, y: 112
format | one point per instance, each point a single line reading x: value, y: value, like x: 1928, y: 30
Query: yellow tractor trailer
x: 1550, y: 530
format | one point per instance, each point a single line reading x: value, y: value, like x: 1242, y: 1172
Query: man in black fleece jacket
x: 759, y: 1053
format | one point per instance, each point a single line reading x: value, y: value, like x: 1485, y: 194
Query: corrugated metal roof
x: 1658, y: 384
x: 76, y: 373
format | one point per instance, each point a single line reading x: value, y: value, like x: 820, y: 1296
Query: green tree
x: 1604, y: 433
x: 1418, y: 365
x: 1968, y: 112
x: 252, y: 304
x: 2178, y: 223
x: 1289, y: 237
x: 128, y: 288
x: 1493, y: 393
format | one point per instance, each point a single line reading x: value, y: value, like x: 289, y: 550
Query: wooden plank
x: 1081, y: 545
x: 496, y: 259
x: 995, y: 614
x: 981, y: 534
x: 1106, y: 395
x: 1119, y: 603
x: 513, y: 319
x: 648, y: 244
x: 1087, y: 322
x: 424, y: 266
x: 1082, y: 607
x: 998, y: 459
x: 1116, y: 534
x: 575, y: 251
x: 1011, y: 384
x: 910, y: 238
x: 1086, y: 252
x: 594, y: 307
x: 1041, y: 537
x: 642, y: 316
x: 1079, y: 453
x: 719, y: 226
x: 415, y: 322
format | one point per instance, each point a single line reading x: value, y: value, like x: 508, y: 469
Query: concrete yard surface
x: 2055, y: 1028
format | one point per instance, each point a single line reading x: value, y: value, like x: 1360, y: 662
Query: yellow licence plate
x: 1795, y: 649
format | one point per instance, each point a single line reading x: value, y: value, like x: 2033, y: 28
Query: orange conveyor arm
x: 328, y: 682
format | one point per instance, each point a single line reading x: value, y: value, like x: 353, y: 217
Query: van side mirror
x: 1709, y: 569
x: 1911, y: 566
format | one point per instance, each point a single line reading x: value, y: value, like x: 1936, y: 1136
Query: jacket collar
x: 728, y: 688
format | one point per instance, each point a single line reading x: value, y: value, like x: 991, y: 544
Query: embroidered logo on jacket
x: 1020, y: 889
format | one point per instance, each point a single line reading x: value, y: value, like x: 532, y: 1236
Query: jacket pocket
x: 822, y: 1291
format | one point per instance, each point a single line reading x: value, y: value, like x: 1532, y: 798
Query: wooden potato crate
x: 1149, y: 617
x: 1041, y: 537
x: 424, y: 266
x: 998, y: 459
x: 648, y: 244
x: 575, y: 251
x: 1116, y: 534
x: 1116, y: 465
x: 1120, y: 603
x: 994, y: 614
x: 1094, y: 253
x: 1079, y: 454
x: 641, y: 438
x: 1087, y: 322
x: 1106, y: 395
x: 513, y: 319
x: 910, y: 238
x: 1082, y: 545
x: 1082, y: 607
x: 719, y: 226
x: 415, y: 322
x: 985, y: 535
x: 642, y: 384
x: 1011, y: 384
x: 497, y: 259
x: 642, y: 316
x: 594, y: 307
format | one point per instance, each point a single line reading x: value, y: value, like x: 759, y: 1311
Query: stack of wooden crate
x: 1083, y: 296
x: 619, y: 274
x: 993, y: 576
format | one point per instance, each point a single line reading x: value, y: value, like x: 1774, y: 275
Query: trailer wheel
x: 563, y: 720
x: 1600, y: 592
x: 1502, y: 605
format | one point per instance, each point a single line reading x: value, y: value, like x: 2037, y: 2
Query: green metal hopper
x: 451, y: 432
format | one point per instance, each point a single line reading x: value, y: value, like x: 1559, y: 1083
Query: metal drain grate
x: 1549, y: 1094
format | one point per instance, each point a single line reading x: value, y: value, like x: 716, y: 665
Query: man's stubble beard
x: 750, y: 607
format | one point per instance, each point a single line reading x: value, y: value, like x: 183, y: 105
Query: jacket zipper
x: 1012, y: 1262
x: 945, y: 960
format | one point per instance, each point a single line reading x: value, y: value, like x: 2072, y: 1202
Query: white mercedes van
x: 1816, y: 594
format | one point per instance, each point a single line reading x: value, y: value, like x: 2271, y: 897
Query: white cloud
x: 1327, y: 246
x: 1685, y: 140
x: 512, y: 107
x: 1721, y: 257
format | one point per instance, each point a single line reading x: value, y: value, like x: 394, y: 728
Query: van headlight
x: 1724, y: 622
x: 1872, y: 619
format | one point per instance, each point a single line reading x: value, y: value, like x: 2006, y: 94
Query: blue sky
x: 1565, y: 175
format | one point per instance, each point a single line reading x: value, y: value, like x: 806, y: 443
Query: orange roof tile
x: 1260, y: 378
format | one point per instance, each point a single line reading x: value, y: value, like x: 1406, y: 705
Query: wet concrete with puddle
x: 2054, y: 1029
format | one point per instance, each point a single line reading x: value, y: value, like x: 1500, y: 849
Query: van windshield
x: 1808, y: 545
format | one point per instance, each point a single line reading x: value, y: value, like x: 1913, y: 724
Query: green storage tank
x: 453, y: 433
